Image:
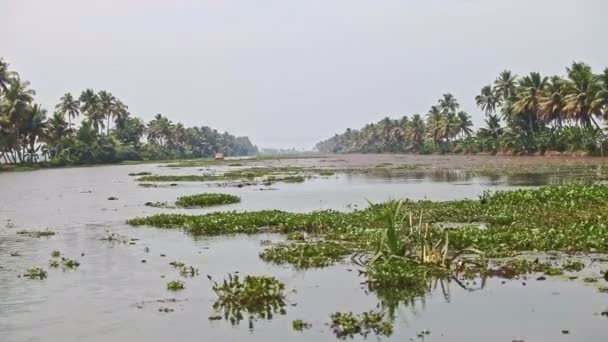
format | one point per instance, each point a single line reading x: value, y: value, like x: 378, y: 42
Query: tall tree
x: 531, y: 91
x: 69, y: 107
x: 107, y: 106
x: 505, y: 85
x: 487, y: 100
x: 581, y: 89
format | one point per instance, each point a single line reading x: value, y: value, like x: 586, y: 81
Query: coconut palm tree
x: 434, y: 123
x: 448, y: 103
x: 492, y: 127
x: 14, y: 105
x: 415, y: 132
x: 69, y: 107
x: 551, y: 106
x: 464, y: 124
x: 5, y: 75
x: 56, y: 129
x: 90, y: 106
x: 33, y: 130
x: 530, y: 92
x: 581, y: 89
x: 487, y: 100
x: 505, y: 85
x: 107, y: 106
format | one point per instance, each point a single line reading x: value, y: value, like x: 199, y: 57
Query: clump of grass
x: 37, y: 233
x: 175, y: 285
x: 142, y: 173
x: 573, y: 266
x: 184, y: 270
x: 115, y: 238
x: 296, y: 236
x: 256, y: 296
x: 300, y: 325
x: 515, y: 267
x: 347, y: 324
x: 69, y: 263
x: 285, y: 179
x: 306, y: 255
x: 157, y: 204
x: 177, y: 178
x: 35, y: 273
x: 206, y: 200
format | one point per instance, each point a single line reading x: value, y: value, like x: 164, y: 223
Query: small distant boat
x: 219, y: 156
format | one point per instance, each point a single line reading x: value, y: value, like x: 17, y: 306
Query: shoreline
x: 419, y: 162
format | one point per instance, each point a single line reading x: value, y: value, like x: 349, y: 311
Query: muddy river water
x: 115, y: 296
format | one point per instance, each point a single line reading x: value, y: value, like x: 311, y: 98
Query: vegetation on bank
x: 108, y: 133
x: 524, y: 115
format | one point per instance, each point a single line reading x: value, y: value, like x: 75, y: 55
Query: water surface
x: 113, y: 296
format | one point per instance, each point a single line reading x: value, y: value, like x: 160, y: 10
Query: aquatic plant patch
x: 570, y: 218
x: 258, y: 297
x: 347, y: 324
x: 37, y: 233
x: 176, y: 285
x: 300, y: 325
x: 307, y: 255
x: 186, y: 271
x: 142, y: 173
x: 36, y: 273
x: 206, y: 200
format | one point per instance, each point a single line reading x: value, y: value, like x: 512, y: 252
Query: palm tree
x: 120, y: 112
x: 552, y: 105
x: 107, y: 105
x: 492, y: 126
x: 464, y: 124
x: 57, y: 128
x: 487, y: 100
x: 581, y: 90
x: 5, y: 75
x: 68, y: 106
x: 448, y: 103
x: 415, y: 132
x: 434, y: 124
x: 34, y: 129
x: 505, y: 85
x: 600, y: 104
x: 531, y: 90
x: 159, y: 130
x: 14, y: 106
x: 90, y: 106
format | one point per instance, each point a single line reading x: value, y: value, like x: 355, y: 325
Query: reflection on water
x: 115, y: 296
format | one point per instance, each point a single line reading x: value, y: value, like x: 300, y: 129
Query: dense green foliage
x: 564, y: 218
x: 206, y: 200
x: 108, y: 133
x: 524, y: 115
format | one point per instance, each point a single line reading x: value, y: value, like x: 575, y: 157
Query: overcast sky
x: 289, y: 73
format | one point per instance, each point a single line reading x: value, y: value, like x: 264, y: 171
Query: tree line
x: 107, y: 132
x: 523, y: 115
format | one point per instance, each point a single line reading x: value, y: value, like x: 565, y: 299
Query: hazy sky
x: 289, y: 73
